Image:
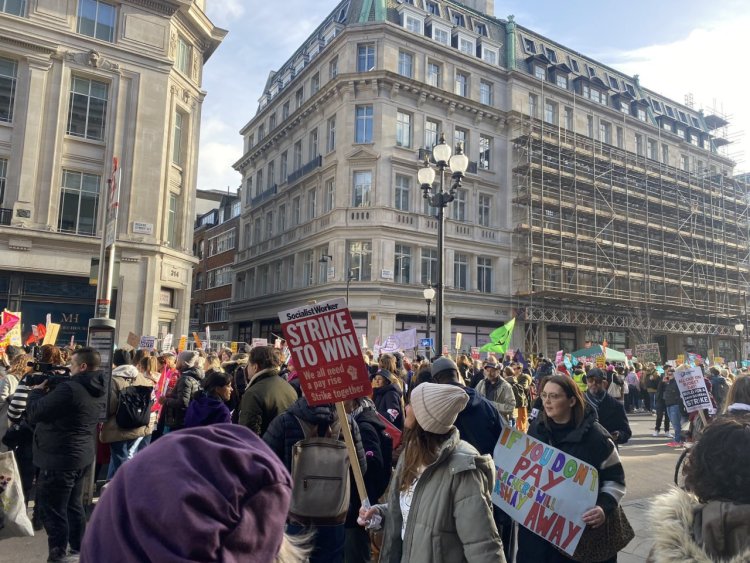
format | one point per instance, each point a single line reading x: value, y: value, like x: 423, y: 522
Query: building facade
x: 332, y: 205
x: 84, y: 82
x: 215, y: 247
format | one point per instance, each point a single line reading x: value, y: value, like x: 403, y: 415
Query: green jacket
x: 450, y: 520
x: 266, y: 397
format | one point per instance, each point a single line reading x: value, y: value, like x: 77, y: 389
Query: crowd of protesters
x: 220, y: 436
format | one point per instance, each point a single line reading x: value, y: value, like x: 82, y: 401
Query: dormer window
x: 594, y: 94
x: 551, y: 55
x: 413, y: 24
x: 433, y: 8
x: 642, y: 114
x: 528, y: 45
x: 682, y: 115
x: 624, y: 107
x: 656, y: 105
x: 669, y: 110
x: 481, y: 29
x: 614, y: 84
x: 667, y: 126
x: 591, y: 70
x: 681, y: 132
x: 540, y: 72
x: 562, y: 81
x: 458, y: 19
x: 696, y: 123
x: 574, y: 65
x: 466, y: 46
x: 441, y: 34
x: 489, y: 55
x: 630, y: 90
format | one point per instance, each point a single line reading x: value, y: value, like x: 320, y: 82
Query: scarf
x: 595, y: 400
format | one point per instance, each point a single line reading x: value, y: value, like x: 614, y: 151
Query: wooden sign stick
x: 353, y: 459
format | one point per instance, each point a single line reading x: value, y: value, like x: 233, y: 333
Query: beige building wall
x: 152, y: 69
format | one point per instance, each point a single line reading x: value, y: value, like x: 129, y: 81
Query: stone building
x: 82, y: 83
x: 332, y: 204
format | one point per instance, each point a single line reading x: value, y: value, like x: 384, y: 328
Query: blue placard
x: 426, y: 342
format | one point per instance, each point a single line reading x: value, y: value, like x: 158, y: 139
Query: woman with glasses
x: 569, y: 424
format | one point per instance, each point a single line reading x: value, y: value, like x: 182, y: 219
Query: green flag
x: 500, y: 337
x: 490, y: 347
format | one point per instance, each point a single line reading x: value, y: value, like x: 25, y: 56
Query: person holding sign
x: 439, y: 507
x: 569, y: 424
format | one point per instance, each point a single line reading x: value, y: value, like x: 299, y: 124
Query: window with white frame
x: 362, y: 187
x: 427, y: 209
x: 314, y: 83
x: 462, y: 84
x: 639, y: 144
x: 13, y: 7
x: 428, y: 266
x: 256, y: 230
x: 312, y: 145
x: 458, y: 19
x: 540, y: 72
x: 551, y: 55
x: 172, y: 232
x: 96, y: 19
x: 466, y: 46
x: 296, y: 211
x: 365, y: 57
x: 441, y: 35
x: 312, y: 203
x: 550, y: 112
x: 330, y: 192
x: 277, y: 280
x: 247, y: 232
x: 665, y: 153
x: 8, y: 77
x: 259, y: 182
x: 331, y: 134
x: 333, y: 68
x: 485, y: 152
x: 290, y: 277
x: 285, y: 110
x: 403, y: 129
x: 406, y: 64
x: 218, y: 311
x: 459, y: 205
x: 460, y: 271
x: 222, y: 243
x: 283, y: 166
x: 87, y: 110
x: 413, y: 24
x: 178, y: 134
x: 359, y: 255
x: 605, y: 132
x: 432, y: 7
x: 434, y: 74
x: 685, y: 162
x: 269, y: 225
x: 484, y: 274
x: 308, y: 268
x: 281, y: 218
x: 485, y: 210
x: 297, y: 155
x: 485, y: 92
x: 620, y: 141
x: 299, y: 98
x: 431, y: 129
x: 363, y: 126
x: 79, y: 202
x: 533, y: 105
x: 461, y: 137
x: 184, y: 56
x: 562, y: 81
x: 402, y: 192
x: 402, y: 264
x: 480, y: 28
x: 263, y: 279
x: 568, y: 118
x: 489, y: 55
x: 219, y: 276
x: 653, y: 150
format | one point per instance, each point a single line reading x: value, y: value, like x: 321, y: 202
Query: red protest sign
x: 326, y: 352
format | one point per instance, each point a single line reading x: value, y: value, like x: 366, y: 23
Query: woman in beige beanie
x: 439, y: 507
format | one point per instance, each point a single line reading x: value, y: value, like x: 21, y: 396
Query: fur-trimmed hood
x: 686, y: 530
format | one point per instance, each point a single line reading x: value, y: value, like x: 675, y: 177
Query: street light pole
x: 739, y: 327
x: 349, y: 278
x: 429, y: 295
x: 458, y: 163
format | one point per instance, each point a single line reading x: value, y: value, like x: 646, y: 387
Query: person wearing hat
x: 610, y: 411
x: 189, y: 383
x: 229, y: 503
x: 497, y: 390
x: 441, y: 483
x: 387, y: 392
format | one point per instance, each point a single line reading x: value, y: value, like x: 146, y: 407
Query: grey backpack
x: 320, y: 476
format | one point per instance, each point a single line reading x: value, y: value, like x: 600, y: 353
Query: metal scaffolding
x: 629, y: 240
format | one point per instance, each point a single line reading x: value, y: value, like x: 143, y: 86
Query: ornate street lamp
x: 739, y: 327
x: 458, y: 163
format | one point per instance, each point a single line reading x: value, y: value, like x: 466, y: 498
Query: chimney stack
x: 484, y: 6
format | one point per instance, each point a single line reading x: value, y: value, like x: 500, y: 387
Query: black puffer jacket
x: 388, y: 403
x: 66, y: 419
x: 177, y: 402
x: 285, y: 430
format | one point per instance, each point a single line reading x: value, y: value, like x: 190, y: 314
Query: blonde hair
x: 295, y: 549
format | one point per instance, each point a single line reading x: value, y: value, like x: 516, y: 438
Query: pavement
x: 649, y: 469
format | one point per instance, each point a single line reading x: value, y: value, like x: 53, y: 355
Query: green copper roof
x: 370, y: 6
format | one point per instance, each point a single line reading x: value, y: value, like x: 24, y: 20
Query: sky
x: 677, y: 47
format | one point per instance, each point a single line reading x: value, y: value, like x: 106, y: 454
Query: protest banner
x: 680, y: 359
x: 559, y: 357
x: 133, y: 340
x: 543, y: 488
x: 328, y: 359
x: 459, y: 338
x: 397, y: 341
x: 364, y: 341
x: 52, y: 331
x: 693, y: 389
x: 13, y: 337
x: 197, y: 340
x: 258, y: 342
x: 233, y: 347
x: 10, y: 321
x: 601, y: 362
x: 628, y: 353
x: 147, y: 342
x: 648, y: 352
x: 208, y: 338
x: 182, y: 344
x: 167, y: 341
x: 718, y: 361
x: 475, y: 353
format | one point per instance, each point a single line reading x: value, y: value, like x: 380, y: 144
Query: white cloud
x: 224, y: 11
x: 706, y: 65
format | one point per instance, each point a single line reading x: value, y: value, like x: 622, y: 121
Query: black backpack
x: 134, y: 407
x: 522, y: 401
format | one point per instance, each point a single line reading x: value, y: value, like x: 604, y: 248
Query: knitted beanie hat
x: 436, y: 406
x: 189, y: 358
x: 442, y: 364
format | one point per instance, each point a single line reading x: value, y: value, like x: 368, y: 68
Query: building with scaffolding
x: 593, y: 208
